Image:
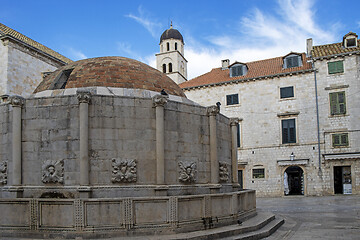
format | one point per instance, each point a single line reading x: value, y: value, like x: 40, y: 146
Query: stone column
x: 212, y: 111
x: 84, y: 100
x: 159, y: 102
x: 234, y: 161
x: 17, y: 102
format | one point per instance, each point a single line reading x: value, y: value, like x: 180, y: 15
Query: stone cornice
x: 234, y: 121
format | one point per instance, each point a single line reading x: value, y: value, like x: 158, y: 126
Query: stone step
x: 261, y: 225
x: 264, y: 232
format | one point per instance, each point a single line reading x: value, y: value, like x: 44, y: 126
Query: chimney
x: 309, y: 46
x: 225, y: 63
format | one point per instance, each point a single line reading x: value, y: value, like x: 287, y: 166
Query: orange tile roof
x: 333, y: 49
x: 258, y: 69
x: 6, y: 31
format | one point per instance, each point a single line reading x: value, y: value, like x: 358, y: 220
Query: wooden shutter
x: 341, y: 102
x: 333, y: 101
x: 344, y: 139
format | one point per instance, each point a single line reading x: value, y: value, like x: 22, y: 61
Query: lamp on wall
x: 292, y: 156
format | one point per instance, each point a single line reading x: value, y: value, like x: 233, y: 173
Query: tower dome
x: 171, y: 33
x: 118, y: 72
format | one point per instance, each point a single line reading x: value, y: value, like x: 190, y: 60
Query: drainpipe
x: 317, y: 115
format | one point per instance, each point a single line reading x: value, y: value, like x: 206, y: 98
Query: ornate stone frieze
x: 124, y: 170
x: 234, y: 121
x: 212, y: 110
x: 223, y: 172
x: 53, y: 171
x: 83, y: 96
x: 3, y: 172
x: 17, y: 101
x: 159, y: 100
x: 187, y: 172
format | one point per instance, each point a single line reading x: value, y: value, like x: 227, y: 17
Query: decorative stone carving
x: 3, y: 172
x: 159, y: 100
x: 212, y: 110
x: 53, y: 171
x: 124, y: 170
x: 187, y: 172
x: 223, y: 172
x: 234, y: 121
x: 17, y: 101
x: 83, y: 96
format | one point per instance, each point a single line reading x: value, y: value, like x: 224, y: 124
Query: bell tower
x: 171, y: 58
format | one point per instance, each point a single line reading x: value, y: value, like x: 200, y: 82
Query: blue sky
x: 239, y: 30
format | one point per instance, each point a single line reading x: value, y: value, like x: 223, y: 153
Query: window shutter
x: 344, y: 139
x: 228, y: 99
x: 336, y: 139
x: 341, y: 101
x: 333, y: 103
x: 340, y: 67
x: 331, y: 67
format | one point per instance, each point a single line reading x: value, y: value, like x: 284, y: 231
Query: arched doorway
x: 294, y: 181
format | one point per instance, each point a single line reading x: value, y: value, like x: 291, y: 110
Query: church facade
x: 299, y: 132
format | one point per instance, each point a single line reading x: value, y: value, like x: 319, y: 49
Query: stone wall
x: 21, y: 68
x: 122, y: 216
x: 122, y: 130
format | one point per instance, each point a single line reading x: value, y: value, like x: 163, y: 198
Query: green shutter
x: 342, y: 103
x: 340, y: 140
x: 335, y: 67
x: 333, y: 103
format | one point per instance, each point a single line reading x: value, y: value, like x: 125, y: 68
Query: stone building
x: 23, y: 62
x: 171, y: 58
x: 110, y: 146
x: 299, y: 129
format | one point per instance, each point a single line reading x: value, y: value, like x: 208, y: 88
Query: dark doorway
x: 295, y: 180
x: 342, y: 179
x: 240, y: 179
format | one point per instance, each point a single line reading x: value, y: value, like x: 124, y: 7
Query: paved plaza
x: 329, y: 217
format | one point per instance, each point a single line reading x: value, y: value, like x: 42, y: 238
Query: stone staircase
x: 262, y: 225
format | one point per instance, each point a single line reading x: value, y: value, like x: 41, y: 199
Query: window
x: 335, y: 67
x: 238, y: 70
x: 175, y: 46
x: 337, y: 103
x: 168, y: 46
x: 259, y: 173
x: 286, y: 92
x: 232, y: 99
x: 164, y: 68
x: 340, y: 140
x: 61, y: 80
x: 351, y: 42
x: 238, y: 135
x: 170, y: 67
x: 288, y: 131
x: 292, y: 61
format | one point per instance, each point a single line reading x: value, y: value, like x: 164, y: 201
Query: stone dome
x: 109, y: 72
x: 171, y: 33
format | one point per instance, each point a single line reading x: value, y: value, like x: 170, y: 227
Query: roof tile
x: 257, y: 69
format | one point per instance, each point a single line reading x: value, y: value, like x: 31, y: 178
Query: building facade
x: 23, y: 62
x: 299, y: 128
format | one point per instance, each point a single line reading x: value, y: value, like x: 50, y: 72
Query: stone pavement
x: 328, y: 217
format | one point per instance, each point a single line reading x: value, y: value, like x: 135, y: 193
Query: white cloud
x: 144, y: 19
x: 126, y: 50
x: 75, y: 54
x: 260, y: 35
